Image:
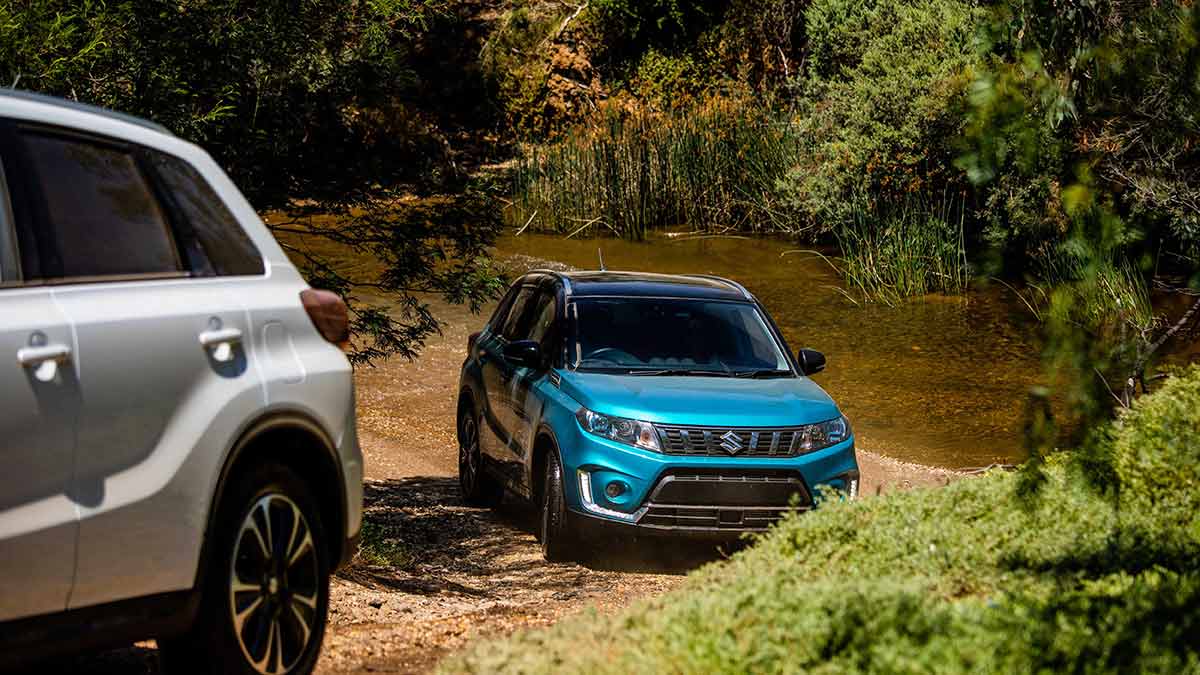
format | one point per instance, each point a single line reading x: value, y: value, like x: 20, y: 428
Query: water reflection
x: 937, y: 380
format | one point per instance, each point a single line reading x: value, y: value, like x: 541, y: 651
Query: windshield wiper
x: 682, y: 371
x: 762, y: 373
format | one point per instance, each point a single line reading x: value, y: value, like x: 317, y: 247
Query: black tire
x: 557, y: 537
x: 477, y: 487
x: 267, y: 571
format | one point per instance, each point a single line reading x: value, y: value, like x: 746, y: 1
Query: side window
x: 496, y: 323
x: 99, y: 211
x: 516, y: 323
x: 217, y: 232
x: 8, y: 236
x: 543, y: 317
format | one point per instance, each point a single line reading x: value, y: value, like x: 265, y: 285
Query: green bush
x: 881, y: 103
x: 290, y: 97
x: 976, y: 576
x: 1156, y: 456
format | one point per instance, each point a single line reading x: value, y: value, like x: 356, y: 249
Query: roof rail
x: 56, y: 101
x: 729, y: 282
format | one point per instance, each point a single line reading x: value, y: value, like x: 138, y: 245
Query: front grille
x: 730, y: 442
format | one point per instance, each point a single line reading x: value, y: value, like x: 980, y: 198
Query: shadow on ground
x: 484, y: 557
x: 462, y: 549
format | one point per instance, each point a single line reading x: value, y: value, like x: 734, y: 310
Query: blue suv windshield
x: 673, y: 337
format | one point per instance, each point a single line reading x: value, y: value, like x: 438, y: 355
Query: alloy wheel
x: 468, y: 455
x: 274, y: 585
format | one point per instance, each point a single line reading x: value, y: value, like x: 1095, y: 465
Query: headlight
x: 823, y: 434
x: 630, y: 432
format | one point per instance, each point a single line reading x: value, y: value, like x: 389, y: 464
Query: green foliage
x: 287, y: 97
x: 641, y: 23
x: 380, y: 547
x: 712, y: 166
x: 1083, y: 128
x: 396, y: 251
x: 1113, y: 87
x: 310, y: 100
x: 970, y: 577
x: 881, y: 103
x: 512, y: 62
x: 1155, y: 452
x: 748, y: 44
x: 895, y: 251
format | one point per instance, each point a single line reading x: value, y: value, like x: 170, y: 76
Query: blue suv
x: 666, y: 404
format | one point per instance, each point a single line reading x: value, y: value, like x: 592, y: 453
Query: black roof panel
x: 646, y: 284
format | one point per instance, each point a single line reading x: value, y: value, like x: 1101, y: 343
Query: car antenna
x: 600, y: 253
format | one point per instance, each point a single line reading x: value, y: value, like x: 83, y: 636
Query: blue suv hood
x: 702, y: 401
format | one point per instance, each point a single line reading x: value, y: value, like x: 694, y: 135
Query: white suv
x: 178, y: 456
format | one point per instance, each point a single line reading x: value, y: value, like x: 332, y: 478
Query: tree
x: 316, y: 101
x: 1084, y: 136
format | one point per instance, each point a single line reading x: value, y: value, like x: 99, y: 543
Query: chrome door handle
x: 43, y: 360
x: 33, y: 356
x: 221, y: 342
x: 212, y: 338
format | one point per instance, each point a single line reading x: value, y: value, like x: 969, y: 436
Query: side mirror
x: 524, y: 354
x: 811, y: 361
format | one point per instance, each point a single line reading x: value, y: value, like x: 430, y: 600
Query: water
x: 938, y: 380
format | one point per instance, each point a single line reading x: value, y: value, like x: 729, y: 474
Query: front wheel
x: 558, y: 541
x: 266, y: 590
x: 477, y: 487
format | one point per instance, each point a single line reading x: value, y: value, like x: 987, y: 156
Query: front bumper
x: 657, y: 494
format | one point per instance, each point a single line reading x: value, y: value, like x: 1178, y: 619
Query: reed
x: 896, y: 250
x: 713, y: 168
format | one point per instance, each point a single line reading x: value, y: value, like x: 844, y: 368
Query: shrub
x: 289, y: 98
x: 882, y: 100
x: 1156, y: 456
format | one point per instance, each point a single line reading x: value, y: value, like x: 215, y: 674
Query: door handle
x: 35, y: 356
x: 212, y: 338
x: 221, y: 341
x: 44, y: 360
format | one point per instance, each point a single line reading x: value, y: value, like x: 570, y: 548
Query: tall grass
x: 892, y: 251
x: 713, y: 167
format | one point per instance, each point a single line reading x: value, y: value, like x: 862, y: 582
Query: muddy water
x: 936, y: 380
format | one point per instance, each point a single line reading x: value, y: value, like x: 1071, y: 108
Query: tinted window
x: 8, y: 234
x: 501, y: 314
x: 542, y: 317
x: 516, y: 323
x: 649, y: 333
x: 218, y: 234
x: 99, y: 212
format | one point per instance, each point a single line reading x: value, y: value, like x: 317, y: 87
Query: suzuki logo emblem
x: 731, y: 442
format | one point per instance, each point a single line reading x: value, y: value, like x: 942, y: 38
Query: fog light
x: 614, y: 489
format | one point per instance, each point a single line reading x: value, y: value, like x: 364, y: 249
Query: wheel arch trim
x: 253, y: 430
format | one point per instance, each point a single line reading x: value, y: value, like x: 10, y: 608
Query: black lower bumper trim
x: 713, y: 518
x: 731, y: 488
